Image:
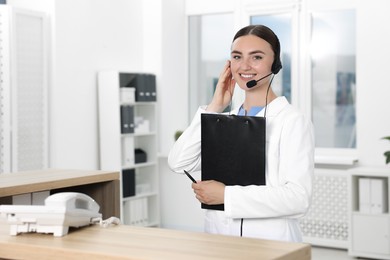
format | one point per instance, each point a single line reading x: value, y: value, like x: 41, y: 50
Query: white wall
x: 90, y: 35
x: 173, y: 92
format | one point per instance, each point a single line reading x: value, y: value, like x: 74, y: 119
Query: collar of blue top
x: 252, y: 112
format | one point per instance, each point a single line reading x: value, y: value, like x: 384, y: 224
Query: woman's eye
x: 236, y: 57
x: 257, y: 57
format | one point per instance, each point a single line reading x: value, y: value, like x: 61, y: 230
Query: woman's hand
x: 224, y: 91
x: 209, y: 192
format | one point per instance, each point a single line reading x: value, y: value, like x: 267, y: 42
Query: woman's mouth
x: 247, y: 76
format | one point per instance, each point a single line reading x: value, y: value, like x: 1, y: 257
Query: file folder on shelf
x: 378, y: 196
x: 128, y: 156
x: 127, y: 119
x: 128, y: 182
x: 364, y: 195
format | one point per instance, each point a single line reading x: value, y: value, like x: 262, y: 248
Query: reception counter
x: 102, y: 186
x: 130, y: 242
x: 121, y: 242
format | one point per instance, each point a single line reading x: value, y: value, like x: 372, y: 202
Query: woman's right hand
x: 224, y: 91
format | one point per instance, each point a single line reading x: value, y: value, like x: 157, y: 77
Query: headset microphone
x: 252, y: 83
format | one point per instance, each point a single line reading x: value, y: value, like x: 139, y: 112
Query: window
x: 333, y: 61
x: 210, y: 37
x: 281, y: 25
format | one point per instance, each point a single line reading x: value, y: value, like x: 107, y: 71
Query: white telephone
x: 61, y: 211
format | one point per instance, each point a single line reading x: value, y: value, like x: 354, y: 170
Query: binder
x: 128, y: 157
x: 140, y: 87
x: 233, y: 150
x: 378, y: 195
x: 150, y: 87
x: 128, y: 182
x: 127, y: 119
x: 364, y: 195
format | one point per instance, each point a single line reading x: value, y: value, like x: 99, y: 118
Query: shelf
x: 386, y: 214
x: 139, y: 196
x: 369, y: 218
x: 139, y: 134
x: 120, y: 112
x: 335, y: 160
x: 138, y: 103
x: 335, y: 157
x: 138, y: 165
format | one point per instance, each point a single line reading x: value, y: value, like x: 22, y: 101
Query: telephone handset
x: 61, y: 211
x: 73, y: 201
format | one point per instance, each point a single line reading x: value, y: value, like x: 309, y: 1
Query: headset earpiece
x: 276, y: 66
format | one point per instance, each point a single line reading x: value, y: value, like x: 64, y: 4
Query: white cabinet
x: 369, y: 218
x: 130, y: 148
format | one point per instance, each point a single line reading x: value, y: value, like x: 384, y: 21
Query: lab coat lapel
x: 274, y: 107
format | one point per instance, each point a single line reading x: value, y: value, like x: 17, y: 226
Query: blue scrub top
x: 252, y: 112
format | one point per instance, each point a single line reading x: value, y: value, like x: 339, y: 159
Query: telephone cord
x: 106, y: 222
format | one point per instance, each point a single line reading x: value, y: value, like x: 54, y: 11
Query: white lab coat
x: 270, y: 211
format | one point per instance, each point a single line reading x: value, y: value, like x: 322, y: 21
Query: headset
x: 276, y: 66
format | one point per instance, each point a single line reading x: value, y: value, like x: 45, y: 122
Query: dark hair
x: 269, y: 36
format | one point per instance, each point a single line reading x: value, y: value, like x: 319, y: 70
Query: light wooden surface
x: 129, y: 242
x: 102, y: 186
x: 39, y: 180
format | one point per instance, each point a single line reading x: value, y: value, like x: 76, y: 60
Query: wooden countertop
x: 130, y: 242
x: 32, y: 181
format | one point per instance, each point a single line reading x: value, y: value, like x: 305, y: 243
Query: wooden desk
x: 102, y: 186
x: 130, y: 242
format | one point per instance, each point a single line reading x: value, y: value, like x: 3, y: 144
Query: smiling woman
x: 251, y: 209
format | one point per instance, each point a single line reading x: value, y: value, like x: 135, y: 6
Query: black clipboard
x: 233, y: 150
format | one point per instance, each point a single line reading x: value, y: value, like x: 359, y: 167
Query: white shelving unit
x: 369, y: 218
x: 141, y: 208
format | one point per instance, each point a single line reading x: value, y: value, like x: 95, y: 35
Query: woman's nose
x: 245, y: 64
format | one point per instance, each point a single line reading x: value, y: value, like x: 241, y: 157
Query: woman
x: 270, y: 211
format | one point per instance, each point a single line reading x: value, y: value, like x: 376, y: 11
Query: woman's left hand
x: 209, y: 192
x: 224, y: 90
